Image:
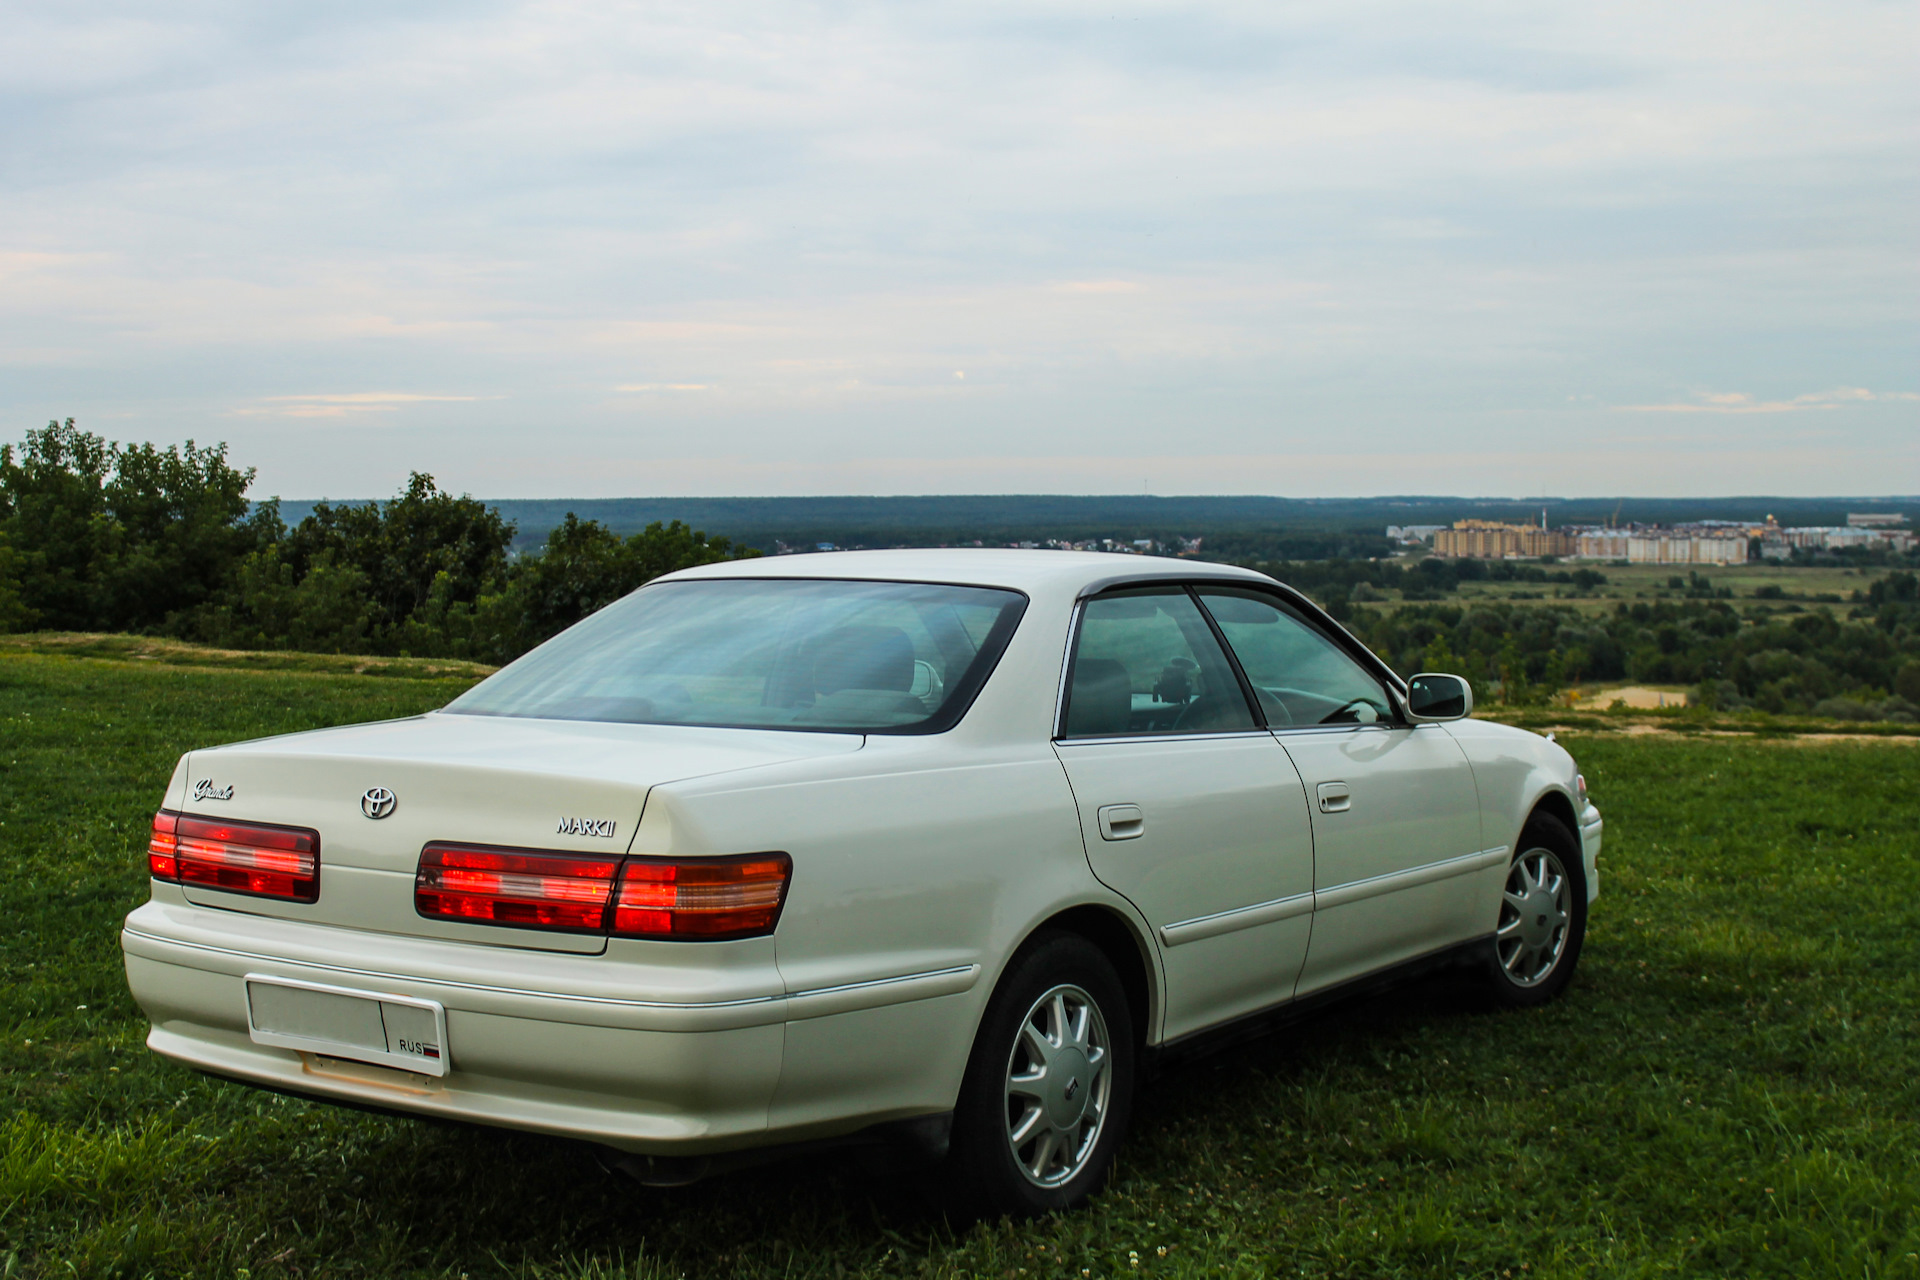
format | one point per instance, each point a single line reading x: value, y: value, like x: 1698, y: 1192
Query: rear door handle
x: 1335, y: 797
x: 1121, y: 821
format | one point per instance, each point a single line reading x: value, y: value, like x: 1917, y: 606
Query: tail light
x: 238, y: 857
x: 513, y: 887
x: 709, y: 898
x: 705, y: 899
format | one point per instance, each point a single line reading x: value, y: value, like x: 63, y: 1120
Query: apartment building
x: 1492, y: 540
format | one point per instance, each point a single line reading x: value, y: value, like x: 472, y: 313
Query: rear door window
x: 1146, y: 662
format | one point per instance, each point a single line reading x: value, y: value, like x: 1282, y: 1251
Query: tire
x: 1049, y: 1088
x: 1542, y: 920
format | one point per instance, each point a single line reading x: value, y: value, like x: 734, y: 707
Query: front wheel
x: 1049, y: 1086
x: 1542, y: 920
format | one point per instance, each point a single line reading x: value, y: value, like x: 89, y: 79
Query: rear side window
x: 1299, y: 674
x: 1147, y: 662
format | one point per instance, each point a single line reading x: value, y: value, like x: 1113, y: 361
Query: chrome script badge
x: 205, y: 790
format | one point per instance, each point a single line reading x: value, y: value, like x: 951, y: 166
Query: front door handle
x: 1335, y: 797
x: 1121, y: 821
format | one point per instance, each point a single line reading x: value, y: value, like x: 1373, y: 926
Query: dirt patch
x: 1635, y: 697
x: 1644, y: 730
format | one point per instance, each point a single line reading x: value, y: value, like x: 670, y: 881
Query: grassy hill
x: 1731, y: 1086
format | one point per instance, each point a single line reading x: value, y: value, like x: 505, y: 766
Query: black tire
x: 984, y: 1174
x: 1519, y: 972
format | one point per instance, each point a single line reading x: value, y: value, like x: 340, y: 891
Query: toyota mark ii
x: 948, y: 846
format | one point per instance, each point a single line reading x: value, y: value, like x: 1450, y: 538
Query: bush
x: 1718, y: 695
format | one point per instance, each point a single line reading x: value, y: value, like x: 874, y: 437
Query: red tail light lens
x: 707, y: 898
x: 513, y: 887
x: 238, y: 857
x: 163, y: 847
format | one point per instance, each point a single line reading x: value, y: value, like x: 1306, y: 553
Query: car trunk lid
x: 378, y: 793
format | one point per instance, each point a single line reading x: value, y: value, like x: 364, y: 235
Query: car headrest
x: 863, y: 658
x: 1101, y: 699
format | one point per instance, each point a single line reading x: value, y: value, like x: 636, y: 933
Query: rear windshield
x: 765, y: 653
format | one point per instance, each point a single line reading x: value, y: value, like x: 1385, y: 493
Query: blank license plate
x: 363, y: 1026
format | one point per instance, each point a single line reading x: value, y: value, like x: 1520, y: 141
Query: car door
x: 1398, y: 865
x: 1188, y: 807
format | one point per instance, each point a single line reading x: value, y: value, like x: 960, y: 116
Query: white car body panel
x: 921, y: 863
x: 1222, y: 865
x: 1410, y: 812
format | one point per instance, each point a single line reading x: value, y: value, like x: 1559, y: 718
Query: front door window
x: 1299, y: 674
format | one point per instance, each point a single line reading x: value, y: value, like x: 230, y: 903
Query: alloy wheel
x: 1058, y: 1086
x: 1535, y: 918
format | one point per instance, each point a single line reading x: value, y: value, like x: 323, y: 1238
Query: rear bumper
x: 1591, y: 828
x: 681, y: 1052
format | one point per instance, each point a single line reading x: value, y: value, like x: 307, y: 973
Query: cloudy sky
x: 730, y: 247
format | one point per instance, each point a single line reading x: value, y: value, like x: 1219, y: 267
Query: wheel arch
x: 1129, y: 953
x: 1560, y: 805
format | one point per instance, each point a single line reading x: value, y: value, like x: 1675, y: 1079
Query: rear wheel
x: 1049, y: 1087
x: 1542, y: 920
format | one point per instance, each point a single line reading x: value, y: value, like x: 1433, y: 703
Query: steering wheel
x: 1342, y: 709
x: 1275, y: 710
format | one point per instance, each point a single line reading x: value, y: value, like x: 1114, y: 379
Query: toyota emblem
x: 378, y: 802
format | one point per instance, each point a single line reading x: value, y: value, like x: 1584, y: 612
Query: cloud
x: 340, y: 405
x: 1224, y: 231
x: 1741, y: 402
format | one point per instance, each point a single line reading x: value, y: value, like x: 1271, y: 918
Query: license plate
x: 361, y: 1026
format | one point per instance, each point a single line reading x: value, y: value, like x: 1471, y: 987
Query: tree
x: 113, y: 537
x: 178, y: 525
x: 53, y: 511
x: 14, y: 614
x: 424, y: 545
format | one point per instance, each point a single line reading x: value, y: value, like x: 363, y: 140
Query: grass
x: 1729, y: 1089
x: 1800, y: 586
x: 176, y: 653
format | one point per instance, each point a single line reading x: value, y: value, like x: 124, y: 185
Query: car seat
x: 1100, y: 700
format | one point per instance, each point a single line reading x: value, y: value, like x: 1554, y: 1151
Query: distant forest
x: 101, y: 536
x: 1232, y: 528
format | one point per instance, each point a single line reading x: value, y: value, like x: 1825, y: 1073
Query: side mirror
x: 1432, y: 697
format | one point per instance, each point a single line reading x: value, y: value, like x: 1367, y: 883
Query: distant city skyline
x: 747, y: 249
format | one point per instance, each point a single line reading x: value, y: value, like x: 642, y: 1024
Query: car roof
x: 1030, y: 571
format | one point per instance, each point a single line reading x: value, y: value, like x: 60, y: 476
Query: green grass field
x: 1730, y: 1088
x: 1802, y: 585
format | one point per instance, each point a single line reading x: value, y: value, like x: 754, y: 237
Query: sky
x: 1340, y: 249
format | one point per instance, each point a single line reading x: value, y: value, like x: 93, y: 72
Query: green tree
x: 178, y: 525
x: 14, y: 614
x: 123, y: 537
x: 268, y: 607
x: 53, y: 511
x: 424, y: 553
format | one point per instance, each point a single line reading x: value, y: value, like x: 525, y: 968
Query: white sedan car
x: 947, y: 846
